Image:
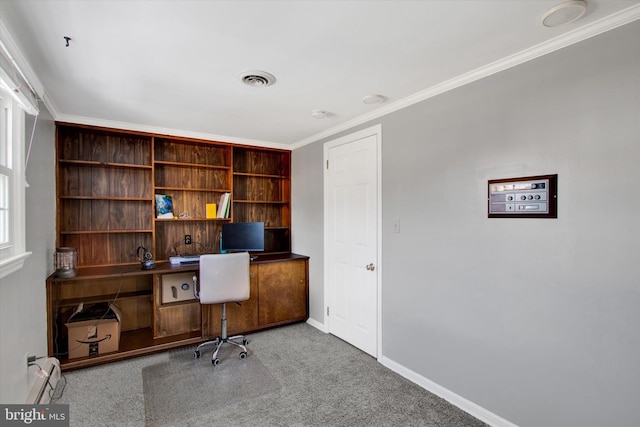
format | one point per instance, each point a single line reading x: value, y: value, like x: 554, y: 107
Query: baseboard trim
x: 317, y: 325
x: 466, y: 405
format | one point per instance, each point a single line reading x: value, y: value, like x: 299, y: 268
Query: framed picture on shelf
x: 164, y: 206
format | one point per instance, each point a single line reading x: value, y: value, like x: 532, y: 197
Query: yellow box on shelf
x: 211, y: 210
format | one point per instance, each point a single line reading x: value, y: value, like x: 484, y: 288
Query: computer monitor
x: 242, y: 237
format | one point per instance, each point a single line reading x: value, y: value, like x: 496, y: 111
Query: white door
x: 351, y: 238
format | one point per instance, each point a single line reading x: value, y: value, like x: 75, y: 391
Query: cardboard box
x: 94, y: 330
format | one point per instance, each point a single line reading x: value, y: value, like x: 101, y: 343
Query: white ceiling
x: 172, y: 66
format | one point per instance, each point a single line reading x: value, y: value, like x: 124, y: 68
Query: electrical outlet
x: 30, y: 359
x: 187, y: 239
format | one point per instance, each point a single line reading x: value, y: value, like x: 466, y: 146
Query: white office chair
x: 223, y: 278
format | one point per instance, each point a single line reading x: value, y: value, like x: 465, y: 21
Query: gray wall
x: 23, y: 310
x: 534, y: 320
x: 307, y: 219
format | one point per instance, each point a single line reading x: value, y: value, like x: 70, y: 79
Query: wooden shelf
x: 103, y: 232
x: 92, y: 163
x: 281, y: 202
x: 73, y: 302
x: 168, y: 220
x: 208, y: 190
x: 260, y: 175
x: 190, y: 165
x: 120, y: 199
x: 100, y: 272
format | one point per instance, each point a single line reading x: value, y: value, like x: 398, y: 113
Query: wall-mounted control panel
x: 177, y: 287
x: 526, y: 197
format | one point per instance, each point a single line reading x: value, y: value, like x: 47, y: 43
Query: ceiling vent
x: 257, y: 78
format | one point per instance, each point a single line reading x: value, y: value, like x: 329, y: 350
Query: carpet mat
x: 168, y: 387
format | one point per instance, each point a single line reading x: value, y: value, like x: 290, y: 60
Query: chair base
x: 222, y: 340
x: 219, y: 342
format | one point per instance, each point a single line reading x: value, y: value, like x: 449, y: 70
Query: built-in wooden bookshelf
x: 194, y: 174
x: 108, y: 178
x: 261, y: 192
x: 105, y: 194
x: 107, y: 182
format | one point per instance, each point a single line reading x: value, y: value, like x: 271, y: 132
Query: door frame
x: 375, y: 130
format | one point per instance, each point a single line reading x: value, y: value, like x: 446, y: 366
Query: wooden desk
x: 279, y: 295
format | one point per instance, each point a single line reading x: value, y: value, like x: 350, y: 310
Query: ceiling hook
x: 67, y: 39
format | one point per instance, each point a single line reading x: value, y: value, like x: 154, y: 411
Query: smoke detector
x: 374, y: 99
x: 564, y: 13
x: 257, y: 78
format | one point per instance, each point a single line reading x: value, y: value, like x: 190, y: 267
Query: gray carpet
x: 293, y: 376
x: 184, y: 384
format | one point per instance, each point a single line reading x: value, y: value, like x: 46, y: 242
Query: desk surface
x: 162, y: 267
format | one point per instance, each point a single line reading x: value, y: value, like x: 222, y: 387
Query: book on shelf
x: 164, y: 206
x: 223, y: 206
x: 211, y: 210
x: 227, y: 209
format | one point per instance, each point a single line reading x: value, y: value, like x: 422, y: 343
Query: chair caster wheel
x: 243, y: 355
x: 196, y: 354
x: 245, y: 342
x: 215, y: 362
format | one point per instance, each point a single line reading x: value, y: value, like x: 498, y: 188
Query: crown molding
x: 160, y: 130
x: 580, y: 34
x: 20, y: 61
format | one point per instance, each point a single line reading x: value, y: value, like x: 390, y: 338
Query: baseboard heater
x: 44, y: 386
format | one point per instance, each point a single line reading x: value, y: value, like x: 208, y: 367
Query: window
x: 12, y: 185
x: 17, y: 96
x: 6, y: 170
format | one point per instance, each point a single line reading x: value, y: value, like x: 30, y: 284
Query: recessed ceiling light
x: 319, y: 114
x: 564, y: 13
x: 257, y: 78
x: 374, y: 99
